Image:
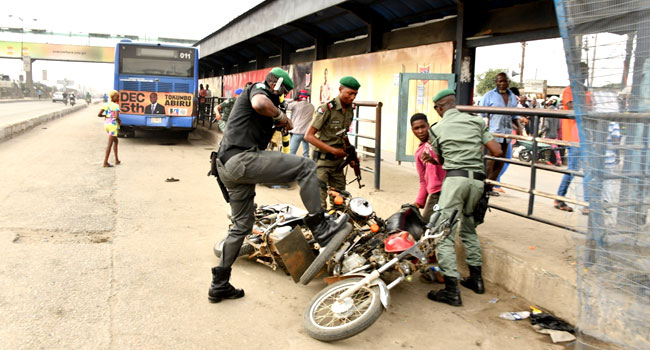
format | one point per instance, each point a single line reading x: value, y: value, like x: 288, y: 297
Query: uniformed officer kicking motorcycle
x: 242, y: 162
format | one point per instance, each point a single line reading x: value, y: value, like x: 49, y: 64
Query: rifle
x: 285, y: 133
x: 352, y: 159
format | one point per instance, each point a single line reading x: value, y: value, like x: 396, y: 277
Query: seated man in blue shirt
x: 501, y: 96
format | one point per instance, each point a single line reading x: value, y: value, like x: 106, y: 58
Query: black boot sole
x: 432, y: 295
x: 219, y: 299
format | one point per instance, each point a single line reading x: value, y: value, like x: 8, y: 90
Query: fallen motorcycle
x: 361, y: 293
x: 280, y: 238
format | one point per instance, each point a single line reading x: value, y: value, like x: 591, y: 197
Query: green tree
x: 487, y: 81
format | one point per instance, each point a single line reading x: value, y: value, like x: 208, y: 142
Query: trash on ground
x: 171, y: 179
x: 556, y: 336
x: 549, y: 321
x: 515, y: 316
x: 494, y: 300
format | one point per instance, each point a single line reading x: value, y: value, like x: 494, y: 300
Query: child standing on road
x: 111, y: 114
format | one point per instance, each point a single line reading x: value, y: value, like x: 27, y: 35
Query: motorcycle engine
x: 352, y: 262
x: 360, y: 207
x: 378, y: 257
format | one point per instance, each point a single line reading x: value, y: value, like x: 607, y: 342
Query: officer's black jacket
x: 247, y: 128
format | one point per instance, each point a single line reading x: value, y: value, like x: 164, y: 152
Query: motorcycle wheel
x: 325, y: 255
x: 525, y: 156
x: 245, y: 249
x: 358, y: 313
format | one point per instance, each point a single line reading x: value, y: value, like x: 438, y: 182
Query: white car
x: 58, y: 96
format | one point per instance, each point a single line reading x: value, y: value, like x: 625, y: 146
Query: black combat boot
x: 323, y: 229
x: 221, y: 288
x: 474, y: 281
x: 450, y: 295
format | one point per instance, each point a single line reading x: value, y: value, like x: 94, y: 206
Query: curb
x: 14, y: 129
x: 20, y: 100
x: 551, y: 292
x: 210, y: 135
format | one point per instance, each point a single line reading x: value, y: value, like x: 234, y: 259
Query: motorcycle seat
x: 408, y: 218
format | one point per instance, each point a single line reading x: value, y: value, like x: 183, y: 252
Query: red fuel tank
x: 399, y: 242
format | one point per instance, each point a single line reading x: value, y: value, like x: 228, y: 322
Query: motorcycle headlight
x: 361, y: 207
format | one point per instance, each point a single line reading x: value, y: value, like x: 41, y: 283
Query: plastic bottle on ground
x: 515, y: 316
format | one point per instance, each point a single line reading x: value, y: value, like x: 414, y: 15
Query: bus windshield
x: 160, y: 61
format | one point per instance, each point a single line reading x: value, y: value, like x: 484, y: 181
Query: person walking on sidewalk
x: 569, y: 130
x: 111, y: 114
x: 431, y: 174
x: 457, y: 141
x: 301, y: 112
x: 242, y: 162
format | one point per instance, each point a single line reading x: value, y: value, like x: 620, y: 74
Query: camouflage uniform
x: 226, y: 107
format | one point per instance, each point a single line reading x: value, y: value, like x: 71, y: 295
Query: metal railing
x: 535, y: 115
x: 208, y: 114
x: 377, y: 138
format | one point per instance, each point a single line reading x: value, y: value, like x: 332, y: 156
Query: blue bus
x: 157, y: 85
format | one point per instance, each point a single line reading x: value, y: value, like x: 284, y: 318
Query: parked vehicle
x: 356, y: 298
x: 58, y: 97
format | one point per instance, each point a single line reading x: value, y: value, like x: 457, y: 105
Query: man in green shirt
x: 457, y: 140
x: 329, y: 132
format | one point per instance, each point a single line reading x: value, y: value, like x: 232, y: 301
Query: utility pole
x: 521, y: 70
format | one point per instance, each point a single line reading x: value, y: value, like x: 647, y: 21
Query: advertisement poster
x: 377, y: 74
x: 177, y: 104
x: 300, y: 74
x: 12, y: 49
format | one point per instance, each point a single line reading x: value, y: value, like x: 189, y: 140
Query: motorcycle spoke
x: 325, y: 317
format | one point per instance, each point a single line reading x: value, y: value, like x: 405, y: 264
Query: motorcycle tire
x: 525, y: 156
x: 325, y: 255
x: 323, y: 324
x: 245, y: 249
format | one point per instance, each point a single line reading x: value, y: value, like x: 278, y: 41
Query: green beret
x: 286, y: 79
x: 443, y: 93
x: 350, y: 82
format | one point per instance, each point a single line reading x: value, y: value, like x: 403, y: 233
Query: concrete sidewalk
x: 532, y: 260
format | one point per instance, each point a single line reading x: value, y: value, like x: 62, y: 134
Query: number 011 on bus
x: 157, y: 85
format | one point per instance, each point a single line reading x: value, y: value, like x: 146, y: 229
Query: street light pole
x: 27, y: 61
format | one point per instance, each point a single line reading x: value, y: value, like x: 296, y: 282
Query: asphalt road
x: 117, y: 258
x: 17, y: 112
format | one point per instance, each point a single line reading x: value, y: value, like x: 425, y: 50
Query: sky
x: 170, y: 19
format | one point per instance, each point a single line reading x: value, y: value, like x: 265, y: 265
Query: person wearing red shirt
x: 431, y: 175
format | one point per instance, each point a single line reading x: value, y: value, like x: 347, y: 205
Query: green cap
x: 443, y: 93
x: 350, y: 82
x: 286, y: 79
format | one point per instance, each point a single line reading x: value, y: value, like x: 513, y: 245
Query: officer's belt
x: 231, y: 152
x: 465, y: 173
x: 319, y: 155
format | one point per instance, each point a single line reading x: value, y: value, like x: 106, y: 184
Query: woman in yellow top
x: 111, y: 114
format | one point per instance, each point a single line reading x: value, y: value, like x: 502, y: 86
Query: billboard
x: 13, y: 49
x: 378, y: 74
x: 175, y: 104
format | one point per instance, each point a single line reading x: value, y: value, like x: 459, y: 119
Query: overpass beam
x: 375, y: 23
